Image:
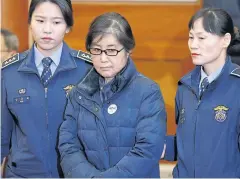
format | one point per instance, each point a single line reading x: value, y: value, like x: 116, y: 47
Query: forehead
x: 106, y: 40
x: 198, y: 26
x: 47, y: 9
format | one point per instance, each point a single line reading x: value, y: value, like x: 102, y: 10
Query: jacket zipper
x: 47, y: 122
x: 46, y: 90
x: 195, y: 124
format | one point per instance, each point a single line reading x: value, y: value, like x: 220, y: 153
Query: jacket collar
x: 28, y: 64
x: 90, y: 84
x: 192, y: 79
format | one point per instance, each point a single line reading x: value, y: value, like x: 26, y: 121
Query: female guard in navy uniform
x: 34, y: 88
x: 115, y: 120
x: 208, y: 101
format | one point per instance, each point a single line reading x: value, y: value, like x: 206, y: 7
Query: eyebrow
x: 39, y: 16
x: 111, y: 45
x: 198, y: 33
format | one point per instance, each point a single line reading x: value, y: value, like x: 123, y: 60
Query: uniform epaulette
x: 85, y: 56
x: 236, y: 72
x: 10, y: 61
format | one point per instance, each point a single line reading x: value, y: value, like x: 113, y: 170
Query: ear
x: 67, y: 30
x: 226, y: 40
x: 129, y: 53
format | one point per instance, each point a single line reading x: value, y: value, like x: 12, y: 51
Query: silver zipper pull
x: 45, y: 92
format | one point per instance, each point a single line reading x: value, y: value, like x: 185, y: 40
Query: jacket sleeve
x: 6, y: 122
x: 150, y: 132
x: 171, y: 140
x: 73, y: 159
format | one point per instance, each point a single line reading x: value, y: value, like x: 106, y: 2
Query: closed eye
x: 39, y: 20
x: 57, y: 22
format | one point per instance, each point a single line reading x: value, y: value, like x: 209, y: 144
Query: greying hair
x: 111, y: 23
x: 11, y: 40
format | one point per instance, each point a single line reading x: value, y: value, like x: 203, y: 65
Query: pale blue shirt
x: 211, y: 77
x: 56, y: 56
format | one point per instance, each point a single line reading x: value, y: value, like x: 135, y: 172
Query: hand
x: 3, y: 167
x: 163, y: 152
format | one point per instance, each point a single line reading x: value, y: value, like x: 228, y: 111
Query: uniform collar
x: 210, y: 77
x: 56, y: 56
x: 67, y: 61
x: 193, y: 78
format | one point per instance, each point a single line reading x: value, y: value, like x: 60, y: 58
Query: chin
x: 106, y: 75
x: 197, y: 62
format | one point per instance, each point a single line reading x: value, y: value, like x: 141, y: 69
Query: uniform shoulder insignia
x: 85, y: 56
x: 10, y: 61
x: 236, y: 72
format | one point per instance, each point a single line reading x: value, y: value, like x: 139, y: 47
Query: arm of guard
x: 150, y: 132
x: 73, y: 159
x: 6, y: 122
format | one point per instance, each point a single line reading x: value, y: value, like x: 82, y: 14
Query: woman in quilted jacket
x: 115, y: 119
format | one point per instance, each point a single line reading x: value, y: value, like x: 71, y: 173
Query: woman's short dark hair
x: 112, y: 23
x: 219, y: 22
x: 64, y: 5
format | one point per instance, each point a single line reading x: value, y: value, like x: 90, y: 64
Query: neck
x: 107, y: 80
x: 48, y: 53
x: 214, y: 66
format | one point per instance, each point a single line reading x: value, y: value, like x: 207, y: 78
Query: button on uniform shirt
x: 56, y: 56
x: 210, y: 78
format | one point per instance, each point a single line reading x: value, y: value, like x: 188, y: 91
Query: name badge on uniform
x: 182, y: 116
x: 112, y: 109
x: 22, y: 91
x: 221, y: 113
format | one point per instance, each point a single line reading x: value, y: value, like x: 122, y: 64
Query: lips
x: 195, y: 54
x: 47, y: 38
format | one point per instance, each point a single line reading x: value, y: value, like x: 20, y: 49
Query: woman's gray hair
x: 11, y: 40
x: 111, y: 23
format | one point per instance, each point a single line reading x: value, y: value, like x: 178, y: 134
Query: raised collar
x: 90, y: 84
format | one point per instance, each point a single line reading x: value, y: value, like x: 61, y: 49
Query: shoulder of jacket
x: 15, y: 58
x: 145, y: 82
x: 236, y: 72
x: 82, y: 55
x: 11, y: 60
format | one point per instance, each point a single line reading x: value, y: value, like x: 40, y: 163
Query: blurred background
x: 160, y: 28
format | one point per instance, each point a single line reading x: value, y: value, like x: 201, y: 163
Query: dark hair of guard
x: 111, y: 23
x: 64, y: 5
x: 219, y: 22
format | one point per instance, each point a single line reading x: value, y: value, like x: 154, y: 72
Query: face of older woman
x: 111, y: 58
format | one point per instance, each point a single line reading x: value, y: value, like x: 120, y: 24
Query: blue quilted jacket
x: 121, y: 136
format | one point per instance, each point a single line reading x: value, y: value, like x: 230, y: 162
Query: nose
x: 47, y: 28
x: 103, y: 57
x: 193, y: 43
